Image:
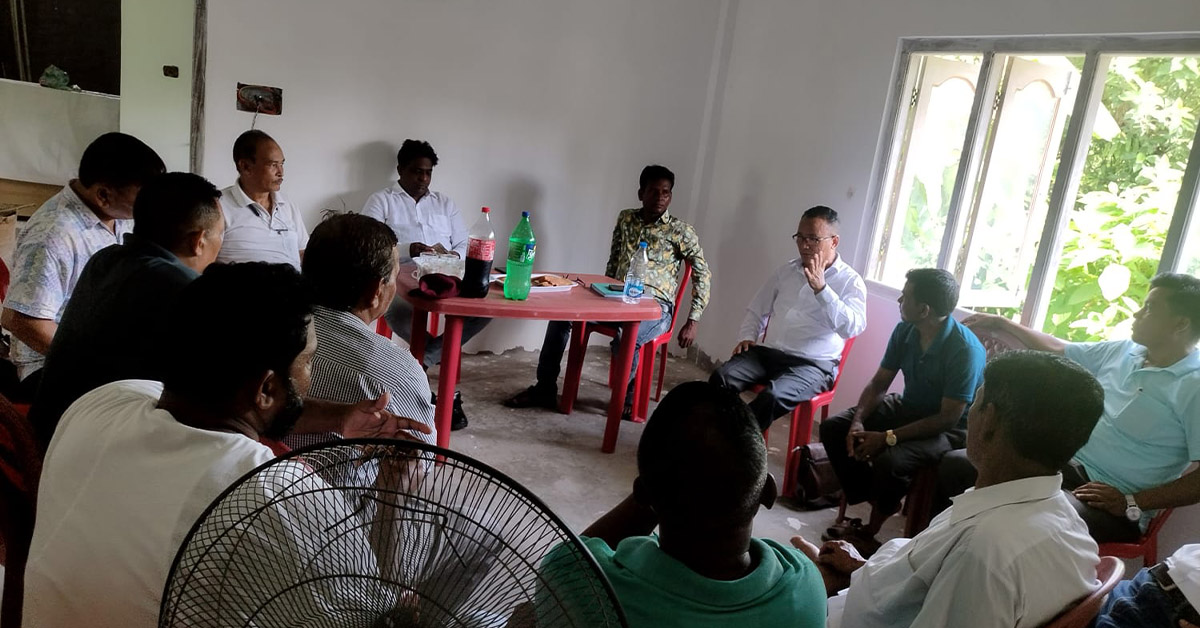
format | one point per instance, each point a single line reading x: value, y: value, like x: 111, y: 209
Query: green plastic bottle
x: 521, y: 248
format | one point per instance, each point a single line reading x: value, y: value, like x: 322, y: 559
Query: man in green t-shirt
x: 702, y: 474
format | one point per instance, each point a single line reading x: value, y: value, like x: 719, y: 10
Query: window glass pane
x: 1189, y: 261
x: 1127, y: 193
x: 930, y: 131
x: 1020, y: 158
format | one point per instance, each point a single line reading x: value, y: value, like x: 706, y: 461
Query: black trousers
x: 956, y: 474
x: 883, y: 481
x: 788, y: 379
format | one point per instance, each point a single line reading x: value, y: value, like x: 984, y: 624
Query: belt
x: 1179, y: 602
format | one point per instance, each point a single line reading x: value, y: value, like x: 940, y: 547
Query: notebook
x: 609, y: 290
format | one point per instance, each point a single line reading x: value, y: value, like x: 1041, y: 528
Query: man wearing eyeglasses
x: 813, y: 303
x: 260, y: 224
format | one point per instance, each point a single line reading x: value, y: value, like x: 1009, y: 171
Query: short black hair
x: 702, y: 456
x: 1047, y: 404
x: 346, y: 254
x: 934, y: 287
x: 821, y: 212
x: 246, y: 145
x: 1184, y: 297
x: 119, y: 160
x: 653, y: 173
x: 223, y: 348
x: 172, y: 206
x: 412, y: 150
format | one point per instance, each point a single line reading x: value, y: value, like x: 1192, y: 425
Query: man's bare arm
x: 947, y: 416
x: 1028, y: 337
x: 35, y: 332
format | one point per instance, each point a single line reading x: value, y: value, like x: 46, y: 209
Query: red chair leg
x: 662, y: 371
x: 433, y: 325
x: 645, y: 375
x: 799, y: 435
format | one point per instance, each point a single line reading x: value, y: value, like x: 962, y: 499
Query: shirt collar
x: 1189, y: 363
x: 87, y: 218
x: 976, y: 501
x: 396, y: 188
x: 341, y: 316
x: 914, y: 337
x: 243, y: 199
x: 664, y: 219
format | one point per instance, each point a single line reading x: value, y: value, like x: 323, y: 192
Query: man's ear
x: 770, y: 492
x: 195, y: 243
x: 641, y: 193
x: 267, y: 391
x: 104, y: 194
x: 377, y: 289
x: 835, y: 241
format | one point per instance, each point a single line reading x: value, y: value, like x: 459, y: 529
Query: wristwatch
x: 891, y: 442
x: 1132, y: 512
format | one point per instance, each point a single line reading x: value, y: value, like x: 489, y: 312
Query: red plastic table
x: 579, y: 306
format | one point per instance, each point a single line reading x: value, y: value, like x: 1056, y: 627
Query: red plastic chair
x: 641, y: 380
x: 381, y: 327
x: 1145, y: 548
x: 20, y: 466
x: 800, y: 432
x: 1080, y: 614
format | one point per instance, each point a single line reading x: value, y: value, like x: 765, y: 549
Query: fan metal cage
x: 373, y: 533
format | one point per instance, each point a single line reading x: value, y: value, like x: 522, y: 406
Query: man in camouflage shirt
x: 670, y: 243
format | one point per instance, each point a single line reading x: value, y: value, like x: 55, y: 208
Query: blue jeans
x: 558, y: 334
x: 1137, y: 603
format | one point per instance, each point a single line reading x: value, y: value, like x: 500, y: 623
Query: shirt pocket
x: 1144, y: 418
x: 438, y: 224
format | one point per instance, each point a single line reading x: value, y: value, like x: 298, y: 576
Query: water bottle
x: 635, y: 279
x: 521, y: 248
x: 481, y: 248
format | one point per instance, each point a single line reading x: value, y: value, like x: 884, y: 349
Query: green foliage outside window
x: 1127, y: 193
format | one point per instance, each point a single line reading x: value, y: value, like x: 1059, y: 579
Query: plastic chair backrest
x: 1080, y: 615
x: 680, y: 291
x: 842, y: 362
x: 20, y: 466
x: 997, y: 341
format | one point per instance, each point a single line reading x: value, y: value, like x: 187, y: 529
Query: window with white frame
x: 1054, y: 176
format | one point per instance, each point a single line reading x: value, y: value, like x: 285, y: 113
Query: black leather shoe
x: 458, y: 418
x: 534, y: 397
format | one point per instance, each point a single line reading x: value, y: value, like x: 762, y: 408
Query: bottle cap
x: 643, y: 244
x: 486, y: 210
x: 524, y: 214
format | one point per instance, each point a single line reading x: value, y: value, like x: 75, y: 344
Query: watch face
x: 1133, y: 513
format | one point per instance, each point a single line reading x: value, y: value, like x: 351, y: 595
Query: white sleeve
x: 845, y: 313
x: 458, y: 229
x: 759, y: 309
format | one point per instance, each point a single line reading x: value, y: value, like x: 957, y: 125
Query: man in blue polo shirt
x: 877, y: 446
x: 1150, y: 430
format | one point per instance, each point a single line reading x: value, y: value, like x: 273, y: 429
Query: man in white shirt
x: 1011, y: 552
x: 92, y: 212
x: 813, y: 303
x: 134, y: 463
x: 424, y: 221
x: 260, y: 224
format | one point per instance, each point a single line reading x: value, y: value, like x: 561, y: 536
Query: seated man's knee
x: 717, y: 378
x: 832, y: 429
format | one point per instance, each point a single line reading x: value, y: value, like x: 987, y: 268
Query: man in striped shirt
x: 350, y: 265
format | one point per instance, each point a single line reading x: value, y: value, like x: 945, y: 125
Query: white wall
x: 154, y: 108
x: 43, y: 131
x: 552, y: 106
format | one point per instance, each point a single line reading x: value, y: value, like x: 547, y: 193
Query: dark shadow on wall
x: 372, y: 167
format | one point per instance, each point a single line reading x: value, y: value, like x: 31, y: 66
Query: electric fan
x: 377, y: 533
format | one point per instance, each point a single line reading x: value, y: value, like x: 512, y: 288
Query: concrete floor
x: 558, y: 456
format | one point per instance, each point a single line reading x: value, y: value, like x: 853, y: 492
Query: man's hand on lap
x: 1103, y: 497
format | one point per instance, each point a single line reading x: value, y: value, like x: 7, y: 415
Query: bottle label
x: 634, y: 289
x: 521, y: 253
x: 483, y: 250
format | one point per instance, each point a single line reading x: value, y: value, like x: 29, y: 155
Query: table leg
x: 575, y: 352
x: 617, y: 402
x: 448, y: 378
x: 416, y: 343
